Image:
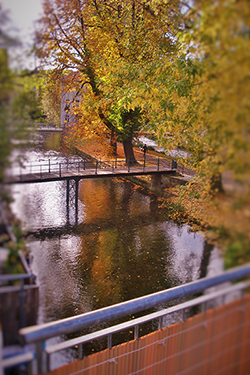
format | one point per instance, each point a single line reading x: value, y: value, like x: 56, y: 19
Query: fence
x: 214, y: 342
x: 40, y: 334
x: 18, y: 305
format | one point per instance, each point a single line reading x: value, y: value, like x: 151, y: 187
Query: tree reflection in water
x: 122, y: 247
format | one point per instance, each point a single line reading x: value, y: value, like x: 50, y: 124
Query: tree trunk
x: 113, y: 143
x: 216, y: 183
x: 129, y: 152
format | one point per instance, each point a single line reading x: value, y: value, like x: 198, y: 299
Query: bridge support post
x: 72, y: 197
x: 156, y: 182
x: 76, y: 199
x: 67, y: 201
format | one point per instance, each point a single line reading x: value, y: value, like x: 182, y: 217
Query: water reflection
x: 121, y: 248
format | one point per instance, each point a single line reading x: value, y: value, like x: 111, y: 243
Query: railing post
x: 183, y: 315
x: 115, y: 161
x: 1, y: 350
x: 60, y: 171
x: 49, y: 165
x: 96, y: 165
x: 158, y: 164
x: 78, y: 167
x: 110, y: 341
x: 136, y: 332
x: 47, y: 362
x: 40, y: 357
x: 84, y: 160
x: 22, y: 295
x: 80, y: 351
x: 160, y: 325
x: 41, y: 173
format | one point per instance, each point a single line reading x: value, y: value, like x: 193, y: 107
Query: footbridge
x: 76, y: 169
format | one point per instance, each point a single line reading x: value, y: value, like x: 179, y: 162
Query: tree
x: 26, y: 101
x: 200, y: 95
x: 93, y: 40
x: 6, y: 89
x: 199, y: 100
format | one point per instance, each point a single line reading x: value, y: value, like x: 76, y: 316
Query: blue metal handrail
x: 13, y: 277
x: 39, y: 334
x: 52, y: 329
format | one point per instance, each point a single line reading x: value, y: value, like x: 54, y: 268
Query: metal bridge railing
x: 42, y: 170
x: 39, y: 335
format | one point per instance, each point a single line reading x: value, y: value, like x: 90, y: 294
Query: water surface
x: 122, y: 245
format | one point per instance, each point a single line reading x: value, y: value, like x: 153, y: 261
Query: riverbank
x: 224, y: 218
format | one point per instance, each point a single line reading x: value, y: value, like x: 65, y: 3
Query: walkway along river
x: 123, y: 246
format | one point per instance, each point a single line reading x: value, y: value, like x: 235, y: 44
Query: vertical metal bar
x: 29, y: 368
x: 41, y: 173
x: 49, y: 165
x: 128, y: 166
x: 60, y: 171
x: 76, y: 200
x: 84, y: 161
x: 67, y: 164
x: 1, y: 350
x: 115, y: 161
x: 80, y: 351
x: 110, y: 341
x: 22, y: 295
x: 67, y: 201
x: 158, y: 164
x: 160, y: 325
x: 78, y: 167
x: 96, y: 165
x: 112, y: 167
x: 183, y: 314
x: 39, y: 357
x: 47, y: 362
x: 136, y: 332
x: 144, y: 161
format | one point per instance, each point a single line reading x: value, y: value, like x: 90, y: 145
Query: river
x: 121, y: 247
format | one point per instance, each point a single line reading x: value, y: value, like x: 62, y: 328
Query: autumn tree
x: 199, y: 100
x: 200, y: 95
x: 88, y: 42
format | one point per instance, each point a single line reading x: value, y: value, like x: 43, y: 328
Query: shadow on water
x: 122, y: 247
